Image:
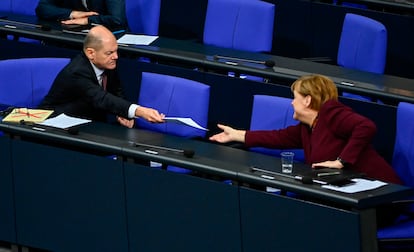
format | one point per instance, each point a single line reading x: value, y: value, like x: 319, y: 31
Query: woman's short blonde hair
x: 319, y: 87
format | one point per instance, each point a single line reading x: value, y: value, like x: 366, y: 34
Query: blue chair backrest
x: 240, y: 24
x: 403, y: 157
x: 25, y: 7
x: 363, y: 44
x: 24, y: 82
x: 5, y: 5
x: 272, y: 112
x: 143, y: 16
x: 175, y: 97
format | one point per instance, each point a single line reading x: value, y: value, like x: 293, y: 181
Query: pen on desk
x: 254, y: 168
x: 38, y: 129
x: 322, y: 174
x: 151, y: 152
x: 347, y: 83
x: 267, y: 176
x: 118, y: 32
x: 231, y: 63
x: 10, y: 26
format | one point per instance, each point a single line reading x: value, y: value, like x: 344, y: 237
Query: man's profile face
x: 106, y: 56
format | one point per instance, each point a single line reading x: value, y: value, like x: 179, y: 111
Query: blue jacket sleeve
x: 48, y: 9
x: 113, y: 17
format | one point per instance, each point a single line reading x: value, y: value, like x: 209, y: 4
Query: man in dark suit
x: 110, y: 13
x: 89, y: 86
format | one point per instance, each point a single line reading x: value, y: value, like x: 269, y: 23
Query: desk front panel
x: 68, y: 200
x: 176, y: 212
x: 7, y: 217
x: 278, y: 223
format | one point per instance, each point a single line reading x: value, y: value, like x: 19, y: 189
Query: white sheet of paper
x: 132, y: 39
x: 359, y: 186
x: 63, y: 121
x: 185, y: 120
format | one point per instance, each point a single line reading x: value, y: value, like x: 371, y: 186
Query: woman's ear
x: 308, y: 100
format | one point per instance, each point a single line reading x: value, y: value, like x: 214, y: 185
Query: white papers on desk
x: 63, y: 121
x: 359, y: 185
x: 132, y: 39
x: 184, y: 120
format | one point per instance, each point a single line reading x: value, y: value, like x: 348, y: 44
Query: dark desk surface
x: 401, y: 5
x: 210, y: 159
x: 191, y: 54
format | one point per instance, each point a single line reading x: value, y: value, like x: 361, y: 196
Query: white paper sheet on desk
x: 184, y: 120
x: 63, y: 121
x: 359, y: 186
x: 132, y: 39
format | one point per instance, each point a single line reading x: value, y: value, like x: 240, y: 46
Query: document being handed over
x: 184, y: 120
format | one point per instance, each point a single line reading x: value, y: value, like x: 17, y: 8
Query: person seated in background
x: 89, y: 87
x: 110, y: 13
x: 331, y: 134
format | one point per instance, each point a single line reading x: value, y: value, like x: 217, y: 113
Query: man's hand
x: 82, y: 14
x: 126, y: 122
x: 149, y: 114
x: 79, y: 17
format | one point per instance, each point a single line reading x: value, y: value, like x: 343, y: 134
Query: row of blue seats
x: 248, y: 25
x: 24, y: 83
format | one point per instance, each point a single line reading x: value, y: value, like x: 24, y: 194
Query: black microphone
x: 45, y: 27
x: 305, y: 179
x: 186, y: 153
x: 6, y: 111
x: 268, y: 63
x: 73, y: 130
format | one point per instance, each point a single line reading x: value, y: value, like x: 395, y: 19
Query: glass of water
x: 287, y: 161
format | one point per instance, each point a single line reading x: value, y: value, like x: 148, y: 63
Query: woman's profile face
x: 299, y: 103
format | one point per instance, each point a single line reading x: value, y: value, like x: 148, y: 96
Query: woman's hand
x: 228, y: 135
x: 329, y: 164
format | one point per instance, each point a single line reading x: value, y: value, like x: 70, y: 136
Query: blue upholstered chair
x: 24, y: 82
x: 239, y: 24
x: 400, y: 235
x: 175, y: 97
x: 350, y: 4
x: 362, y: 46
x: 272, y: 112
x: 143, y: 16
x: 5, y: 5
x: 25, y: 7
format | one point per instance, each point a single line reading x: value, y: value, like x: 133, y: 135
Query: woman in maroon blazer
x: 331, y: 134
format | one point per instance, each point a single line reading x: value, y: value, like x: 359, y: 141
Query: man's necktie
x: 104, y: 80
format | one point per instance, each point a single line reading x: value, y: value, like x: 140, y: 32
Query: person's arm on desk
x: 51, y: 10
x: 79, y: 17
x: 113, y: 17
x: 110, y: 13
